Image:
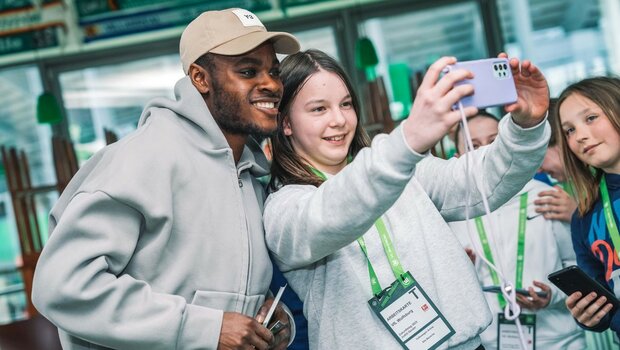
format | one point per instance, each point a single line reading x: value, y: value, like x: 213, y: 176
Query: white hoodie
x: 548, y: 248
x: 310, y: 232
x: 156, y: 236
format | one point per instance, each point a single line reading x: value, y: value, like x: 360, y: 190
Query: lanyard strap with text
x: 388, y: 247
x: 612, y: 227
x: 520, y: 247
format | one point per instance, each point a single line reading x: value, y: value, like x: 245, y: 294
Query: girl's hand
x: 556, y: 204
x: 532, y: 93
x: 588, y: 316
x: 533, y: 301
x: 431, y: 116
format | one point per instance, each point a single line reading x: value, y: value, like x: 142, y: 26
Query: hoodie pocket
x: 230, y: 302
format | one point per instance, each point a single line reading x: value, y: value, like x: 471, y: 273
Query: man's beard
x: 227, y: 114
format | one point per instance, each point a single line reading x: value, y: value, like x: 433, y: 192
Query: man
x: 157, y: 243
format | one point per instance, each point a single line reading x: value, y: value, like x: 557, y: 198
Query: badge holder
x: 410, y: 315
x: 508, y: 334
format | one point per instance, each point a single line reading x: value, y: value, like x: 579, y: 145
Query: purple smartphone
x: 493, y: 83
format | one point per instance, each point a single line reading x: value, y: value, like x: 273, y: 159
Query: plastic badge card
x: 410, y: 315
x: 274, y: 305
x: 508, y: 334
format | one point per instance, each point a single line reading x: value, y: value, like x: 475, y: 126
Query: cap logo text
x: 247, y: 18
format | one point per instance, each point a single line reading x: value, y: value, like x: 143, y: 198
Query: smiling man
x: 158, y: 243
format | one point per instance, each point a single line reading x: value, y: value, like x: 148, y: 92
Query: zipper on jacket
x: 247, y: 231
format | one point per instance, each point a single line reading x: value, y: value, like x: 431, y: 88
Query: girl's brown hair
x: 287, y: 166
x: 605, y: 93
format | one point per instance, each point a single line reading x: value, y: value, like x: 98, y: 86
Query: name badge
x: 508, y: 334
x: 410, y: 315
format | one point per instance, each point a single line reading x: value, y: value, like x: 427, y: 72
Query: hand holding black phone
x: 572, y: 279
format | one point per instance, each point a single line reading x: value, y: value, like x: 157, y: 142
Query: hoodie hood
x: 191, y: 107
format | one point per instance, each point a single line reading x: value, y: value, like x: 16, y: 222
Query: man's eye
x: 248, y: 73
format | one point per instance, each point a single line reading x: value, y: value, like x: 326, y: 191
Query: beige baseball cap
x: 229, y: 32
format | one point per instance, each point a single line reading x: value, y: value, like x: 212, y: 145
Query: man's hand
x: 556, y: 204
x: 585, y: 311
x: 533, y: 301
x: 282, y: 338
x: 242, y: 332
x: 532, y: 93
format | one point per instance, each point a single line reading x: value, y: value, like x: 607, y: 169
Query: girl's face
x: 321, y: 122
x: 589, y: 134
x: 482, y: 130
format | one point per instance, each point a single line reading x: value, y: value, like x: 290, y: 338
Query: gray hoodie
x: 311, y: 232
x: 156, y: 236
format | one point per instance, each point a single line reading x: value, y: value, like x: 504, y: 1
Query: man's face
x: 245, y: 92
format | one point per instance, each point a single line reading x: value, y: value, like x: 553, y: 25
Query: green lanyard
x: 520, y: 248
x: 612, y: 227
x: 388, y: 248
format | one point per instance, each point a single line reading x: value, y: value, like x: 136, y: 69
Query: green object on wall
x: 401, y: 88
x: 366, y: 57
x: 48, y: 110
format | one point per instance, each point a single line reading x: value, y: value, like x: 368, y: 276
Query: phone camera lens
x: 495, y: 67
x: 505, y: 66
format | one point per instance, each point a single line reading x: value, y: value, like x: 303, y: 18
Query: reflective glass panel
x: 19, y: 90
x: 568, y: 40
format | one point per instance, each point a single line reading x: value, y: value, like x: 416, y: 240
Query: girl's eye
x: 347, y: 104
x: 591, y: 118
x: 318, y: 109
x: 569, y: 131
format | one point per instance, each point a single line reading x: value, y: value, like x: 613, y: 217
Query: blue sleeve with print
x: 595, y: 252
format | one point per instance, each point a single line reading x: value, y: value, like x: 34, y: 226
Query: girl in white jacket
x: 546, y: 247
x: 331, y: 190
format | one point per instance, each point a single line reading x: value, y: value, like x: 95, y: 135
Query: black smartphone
x: 524, y: 292
x: 572, y: 279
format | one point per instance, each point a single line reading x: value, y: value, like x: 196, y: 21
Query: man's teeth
x: 335, y: 138
x: 265, y: 104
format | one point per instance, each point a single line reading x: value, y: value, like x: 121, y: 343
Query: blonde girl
x: 589, y: 119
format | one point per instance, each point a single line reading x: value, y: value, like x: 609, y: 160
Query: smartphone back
x: 572, y: 279
x: 493, y: 82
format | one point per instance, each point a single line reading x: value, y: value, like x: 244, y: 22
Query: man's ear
x: 199, y: 77
x: 286, y: 124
